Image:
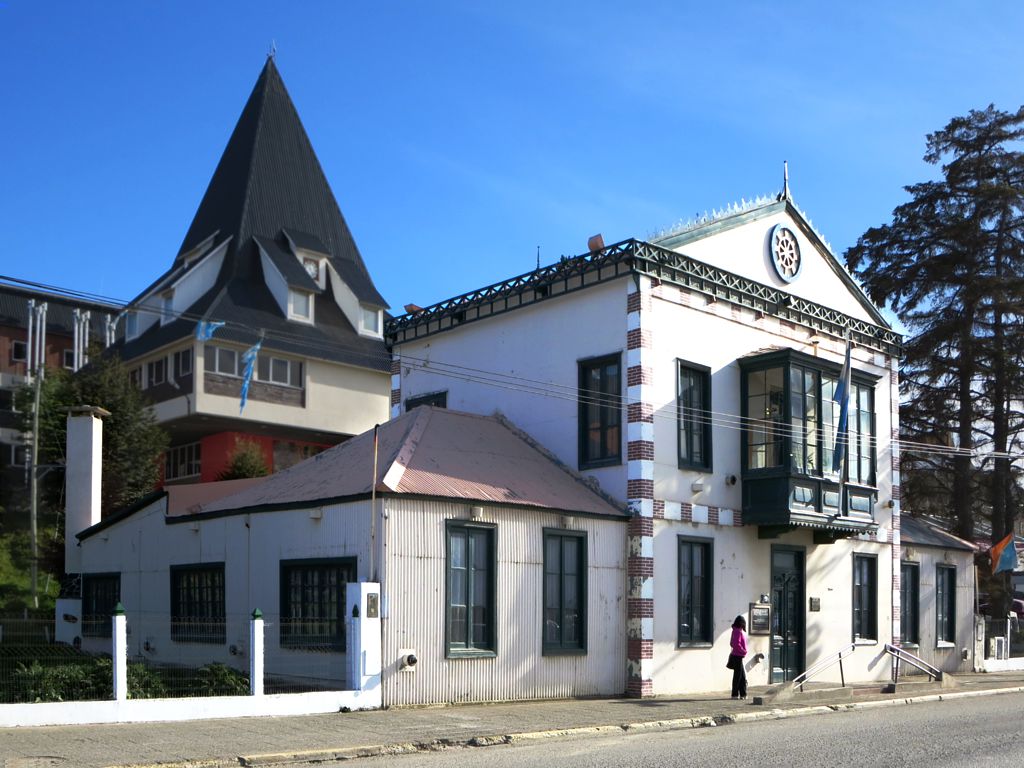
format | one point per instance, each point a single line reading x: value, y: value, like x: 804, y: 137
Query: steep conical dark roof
x: 270, y: 179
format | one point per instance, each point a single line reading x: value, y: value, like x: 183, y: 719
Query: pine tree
x: 247, y: 460
x: 133, y: 442
x: 950, y: 264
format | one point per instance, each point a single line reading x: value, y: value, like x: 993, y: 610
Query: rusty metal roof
x: 431, y: 452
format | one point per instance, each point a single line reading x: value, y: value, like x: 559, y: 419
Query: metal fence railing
x: 168, y: 657
x: 304, y: 655
x: 34, y: 667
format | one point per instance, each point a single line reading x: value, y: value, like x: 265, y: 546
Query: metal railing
x: 905, y: 656
x: 825, y: 663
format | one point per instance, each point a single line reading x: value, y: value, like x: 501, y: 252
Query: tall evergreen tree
x: 132, y: 440
x: 951, y: 265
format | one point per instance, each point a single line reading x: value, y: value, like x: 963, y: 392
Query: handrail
x: 901, y: 655
x: 824, y: 664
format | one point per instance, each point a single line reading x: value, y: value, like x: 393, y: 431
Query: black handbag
x: 733, y: 663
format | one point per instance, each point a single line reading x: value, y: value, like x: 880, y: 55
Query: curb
x: 300, y: 757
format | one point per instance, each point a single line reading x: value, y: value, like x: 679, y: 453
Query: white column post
x: 256, y: 653
x: 364, y: 638
x: 120, y: 652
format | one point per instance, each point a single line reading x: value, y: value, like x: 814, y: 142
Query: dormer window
x: 370, y: 320
x: 300, y: 306
x: 167, y: 307
x: 131, y: 325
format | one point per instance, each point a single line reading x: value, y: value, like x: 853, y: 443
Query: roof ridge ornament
x: 785, y: 180
x: 272, y: 53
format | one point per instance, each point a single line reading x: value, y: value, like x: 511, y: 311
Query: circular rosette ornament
x: 785, y: 253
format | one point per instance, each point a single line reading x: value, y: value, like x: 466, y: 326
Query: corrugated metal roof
x: 915, y: 531
x: 437, y: 453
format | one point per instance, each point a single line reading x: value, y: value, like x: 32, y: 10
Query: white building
x: 693, y: 379
x: 501, y: 572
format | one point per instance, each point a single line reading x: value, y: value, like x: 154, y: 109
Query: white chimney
x: 82, y: 478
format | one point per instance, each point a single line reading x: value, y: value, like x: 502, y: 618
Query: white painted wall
x: 945, y: 656
x: 541, y: 343
x: 143, y: 547
x: 275, y: 281
x: 199, y: 279
x: 415, y: 586
x: 744, y: 251
x: 339, y: 398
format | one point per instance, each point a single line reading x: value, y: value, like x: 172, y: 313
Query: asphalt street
x: 985, y: 731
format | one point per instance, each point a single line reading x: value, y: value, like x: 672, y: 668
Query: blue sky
x: 459, y: 136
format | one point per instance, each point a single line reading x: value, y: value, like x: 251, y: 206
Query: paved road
x: 987, y: 731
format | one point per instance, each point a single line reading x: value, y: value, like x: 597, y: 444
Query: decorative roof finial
x: 785, y: 180
x: 273, y: 49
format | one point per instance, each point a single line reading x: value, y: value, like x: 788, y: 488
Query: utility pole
x: 34, y: 491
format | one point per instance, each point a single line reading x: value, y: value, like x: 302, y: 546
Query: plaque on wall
x: 815, y: 604
x: 760, y: 619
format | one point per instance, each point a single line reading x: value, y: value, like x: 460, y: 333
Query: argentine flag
x: 842, y: 396
x: 1004, y: 555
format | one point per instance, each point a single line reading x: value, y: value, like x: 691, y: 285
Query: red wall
x: 216, y: 450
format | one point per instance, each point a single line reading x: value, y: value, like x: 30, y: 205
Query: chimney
x: 82, y: 478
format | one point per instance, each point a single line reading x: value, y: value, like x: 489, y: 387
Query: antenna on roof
x: 538, y: 257
x: 273, y: 49
x: 785, y: 180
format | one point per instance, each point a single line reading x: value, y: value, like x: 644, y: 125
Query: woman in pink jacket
x: 738, y: 643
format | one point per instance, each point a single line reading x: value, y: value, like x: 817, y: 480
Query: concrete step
x: 818, y: 692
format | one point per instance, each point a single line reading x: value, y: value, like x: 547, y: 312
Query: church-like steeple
x: 269, y: 179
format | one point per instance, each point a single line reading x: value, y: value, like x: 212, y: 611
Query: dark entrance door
x: 787, y: 613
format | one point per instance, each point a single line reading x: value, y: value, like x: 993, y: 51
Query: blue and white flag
x: 249, y: 358
x: 206, y: 328
x: 842, y: 396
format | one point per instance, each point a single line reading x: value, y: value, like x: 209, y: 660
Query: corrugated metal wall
x: 415, y: 610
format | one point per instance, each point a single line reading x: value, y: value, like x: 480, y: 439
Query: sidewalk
x: 270, y: 741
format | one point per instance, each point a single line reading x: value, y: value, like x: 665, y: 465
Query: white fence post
x: 364, y: 639
x: 256, y: 653
x: 120, y: 652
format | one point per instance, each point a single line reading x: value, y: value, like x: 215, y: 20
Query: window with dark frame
x: 68, y: 358
x: 695, y: 591
x: 693, y: 404
x: 313, y: 608
x: 565, y: 591
x: 183, y: 363
x: 435, y: 399
x: 156, y: 372
x: 791, y: 420
x: 19, y: 351
x: 910, y: 603
x: 945, y: 604
x: 865, y: 597
x: 600, y: 412
x: 183, y: 461
x: 101, y: 593
x: 469, y: 612
x: 197, y: 603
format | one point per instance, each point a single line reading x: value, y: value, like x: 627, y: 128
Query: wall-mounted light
x: 765, y: 598
x: 316, y: 514
x: 476, y: 512
x: 891, y: 504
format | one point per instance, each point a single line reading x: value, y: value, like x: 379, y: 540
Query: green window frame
x: 101, y: 592
x: 471, y: 565
x: 696, y: 591
x: 945, y: 604
x: 693, y: 409
x: 565, y: 592
x: 197, y: 603
x: 600, y: 411
x: 313, y: 607
x: 865, y: 597
x: 910, y: 603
